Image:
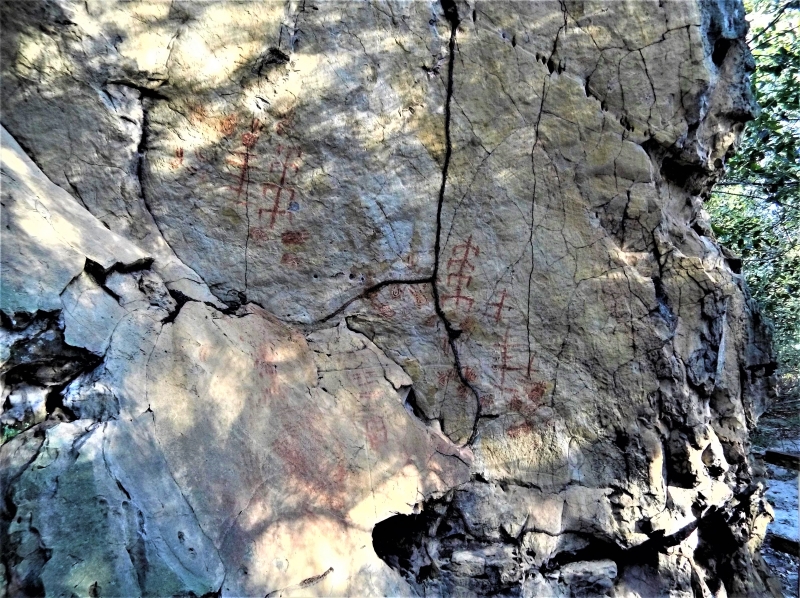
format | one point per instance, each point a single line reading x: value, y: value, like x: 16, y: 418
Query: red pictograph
x: 523, y: 393
x: 277, y: 195
x: 470, y: 376
x: 258, y: 235
x: 177, y: 161
x: 444, y: 379
x: 365, y: 377
x: 384, y: 309
x: 459, y: 268
x: 504, y: 364
x: 267, y: 372
x: 285, y: 124
x: 500, y: 305
x: 419, y: 297
x: 520, y: 429
x: 535, y: 391
x: 242, y: 159
x: 375, y: 429
x: 295, y: 237
x: 287, y: 165
x: 290, y: 259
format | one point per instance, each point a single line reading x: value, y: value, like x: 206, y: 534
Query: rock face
x: 385, y: 298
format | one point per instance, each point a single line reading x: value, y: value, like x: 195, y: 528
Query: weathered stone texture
x: 375, y: 298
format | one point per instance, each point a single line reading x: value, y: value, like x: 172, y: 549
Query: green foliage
x: 7, y: 433
x: 755, y: 211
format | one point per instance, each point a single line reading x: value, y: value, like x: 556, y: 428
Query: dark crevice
x: 180, y: 301
x: 697, y: 228
x: 141, y: 153
x: 99, y: 274
x: 400, y: 542
x: 451, y: 14
x: 734, y: 261
x: 412, y: 406
x: 77, y: 194
x: 677, y: 168
x: 43, y: 358
x: 721, y: 47
x: 55, y: 399
x: 145, y: 92
x: 664, y: 308
x: 679, y: 172
x: 270, y: 60
x: 371, y: 291
x: 421, y: 545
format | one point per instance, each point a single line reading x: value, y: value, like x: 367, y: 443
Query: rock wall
x: 375, y: 298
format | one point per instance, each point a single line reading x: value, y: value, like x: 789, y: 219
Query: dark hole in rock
x: 721, y: 48
x: 398, y: 541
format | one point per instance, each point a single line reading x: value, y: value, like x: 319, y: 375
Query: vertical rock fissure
x: 246, y: 174
x: 451, y: 14
x: 533, y: 216
x: 141, y: 151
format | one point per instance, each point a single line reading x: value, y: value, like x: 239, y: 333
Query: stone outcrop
x: 386, y: 298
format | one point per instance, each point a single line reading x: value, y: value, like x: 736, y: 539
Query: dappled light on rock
x: 386, y: 298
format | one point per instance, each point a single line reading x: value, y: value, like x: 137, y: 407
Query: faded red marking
x: 365, y: 376
x: 338, y: 475
x: 249, y: 140
x: 227, y: 125
x: 445, y: 344
x: 285, y: 124
x: 177, y: 161
x: 200, y: 156
x: 519, y: 429
x: 197, y: 113
x: 444, y: 378
x: 470, y: 376
x: 258, y: 234
x: 376, y: 431
x: 469, y: 324
x: 516, y: 404
x: 498, y: 314
x: 319, y: 482
x: 290, y: 259
x: 366, y: 396
x: 458, y: 269
x: 504, y: 366
x: 535, y: 391
x: 396, y: 292
x: 294, y: 237
x: 193, y: 166
x: 284, y: 165
x: 419, y: 297
x: 383, y: 309
x: 267, y: 372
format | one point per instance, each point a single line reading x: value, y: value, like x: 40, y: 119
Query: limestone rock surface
x: 375, y: 298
